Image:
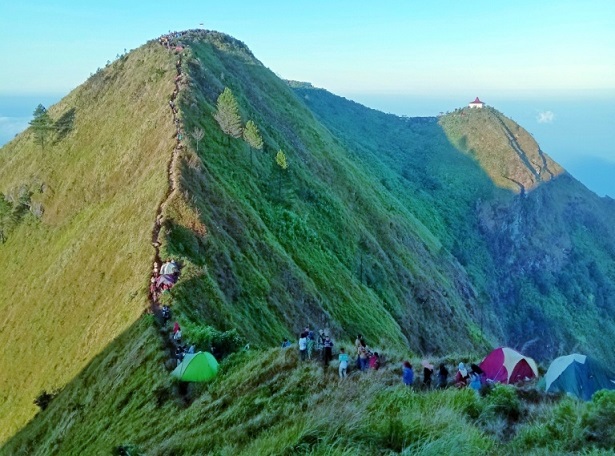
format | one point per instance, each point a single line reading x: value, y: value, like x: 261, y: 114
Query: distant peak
x: 298, y: 84
x: 506, y: 151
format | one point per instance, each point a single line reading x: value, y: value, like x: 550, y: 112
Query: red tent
x: 506, y: 365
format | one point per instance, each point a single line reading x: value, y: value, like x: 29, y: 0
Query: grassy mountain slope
x: 266, y: 402
x: 508, y: 153
x: 377, y: 226
x: 541, y: 261
x: 78, y: 274
x: 273, y: 254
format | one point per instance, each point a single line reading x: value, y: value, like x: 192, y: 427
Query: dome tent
x: 578, y: 375
x: 506, y: 365
x: 197, y: 367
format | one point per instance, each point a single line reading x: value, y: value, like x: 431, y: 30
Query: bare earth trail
x: 172, y: 180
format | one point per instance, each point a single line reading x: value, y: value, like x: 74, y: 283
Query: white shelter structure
x: 476, y: 103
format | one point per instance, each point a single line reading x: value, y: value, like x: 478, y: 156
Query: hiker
x: 164, y: 267
x: 172, y: 268
x: 442, y: 376
x: 191, y: 349
x: 462, y: 376
x: 427, y: 373
x: 475, y: 383
x: 357, y: 345
x: 363, y: 356
x: 166, y: 314
x: 407, y: 373
x: 327, y: 350
x: 310, y: 342
x: 155, y: 270
x: 177, y: 333
x: 285, y: 343
x: 179, y: 354
x: 152, y: 288
x: 303, y: 346
x: 343, y: 359
x: 321, y: 340
x: 476, y: 377
x: 374, y: 361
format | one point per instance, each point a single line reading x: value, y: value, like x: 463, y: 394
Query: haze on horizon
x: 525, y: 58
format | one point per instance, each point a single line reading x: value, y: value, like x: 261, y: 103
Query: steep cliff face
x: 555, y: 254
x: 507, y: 152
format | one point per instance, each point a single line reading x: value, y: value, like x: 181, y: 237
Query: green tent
x: 578, y: 375
x: 197, y: 367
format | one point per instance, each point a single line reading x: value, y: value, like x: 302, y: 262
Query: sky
x: 547, y: 64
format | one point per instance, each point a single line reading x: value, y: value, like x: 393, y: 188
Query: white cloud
x: 545, y: 117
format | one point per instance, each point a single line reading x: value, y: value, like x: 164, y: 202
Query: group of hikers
x: 319, y: 345
x: 163, y: 278
x: 170, y: 40
x: 313, y: 346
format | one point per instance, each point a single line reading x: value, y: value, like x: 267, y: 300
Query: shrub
x: 599, y: 421
x: 44, y: 398
x: 503, y: 402
x: 220, y: 343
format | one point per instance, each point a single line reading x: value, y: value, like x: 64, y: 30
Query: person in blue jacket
x: 407, y: 373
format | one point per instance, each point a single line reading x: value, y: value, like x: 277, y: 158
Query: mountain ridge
x: 380, y: 226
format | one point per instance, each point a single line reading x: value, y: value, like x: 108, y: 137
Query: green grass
x: 78, y: 276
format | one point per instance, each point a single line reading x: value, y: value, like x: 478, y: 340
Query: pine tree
x: 252, y: 136
x: 280, y: 159
x: 227, y: 114
x: 197, y: 134
x: 42, y: 125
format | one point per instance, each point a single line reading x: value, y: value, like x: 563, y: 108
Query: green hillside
x: 78, y: 273
x: 541, y: 256
x: 395, y: 228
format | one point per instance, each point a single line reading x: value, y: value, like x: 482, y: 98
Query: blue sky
x: 416, y: 58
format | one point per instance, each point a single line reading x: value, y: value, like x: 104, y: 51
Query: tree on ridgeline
x: 197, y: 134
x: 253, y: 137
x: 42, y: 125
x: 227, y: 114
x: 280, y: 159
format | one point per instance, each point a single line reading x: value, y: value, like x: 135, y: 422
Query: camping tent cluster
x: 576, y: 375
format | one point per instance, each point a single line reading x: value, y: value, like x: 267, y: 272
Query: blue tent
x: 578, y: 375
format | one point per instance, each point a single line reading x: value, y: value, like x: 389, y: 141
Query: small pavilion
x: 476, y: 103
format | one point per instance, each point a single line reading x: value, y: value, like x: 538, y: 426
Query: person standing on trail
x: 363, y: 356
x: 343, y: 359
x: 357, y: 346
x: 166, y: 314
x: 407, y: 374
x: 303, y: 346
x: 442, y: 376
x: 374, y: 361
x: 462, y: 376
x: 310, y: 341
x: 327, y: 350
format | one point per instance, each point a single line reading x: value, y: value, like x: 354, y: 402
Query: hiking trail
x: 172, y: 183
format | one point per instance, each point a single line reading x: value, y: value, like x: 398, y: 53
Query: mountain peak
x: 507, y: 152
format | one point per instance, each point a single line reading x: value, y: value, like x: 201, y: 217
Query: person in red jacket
x: 462, y: 376
x: 374, y: 361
